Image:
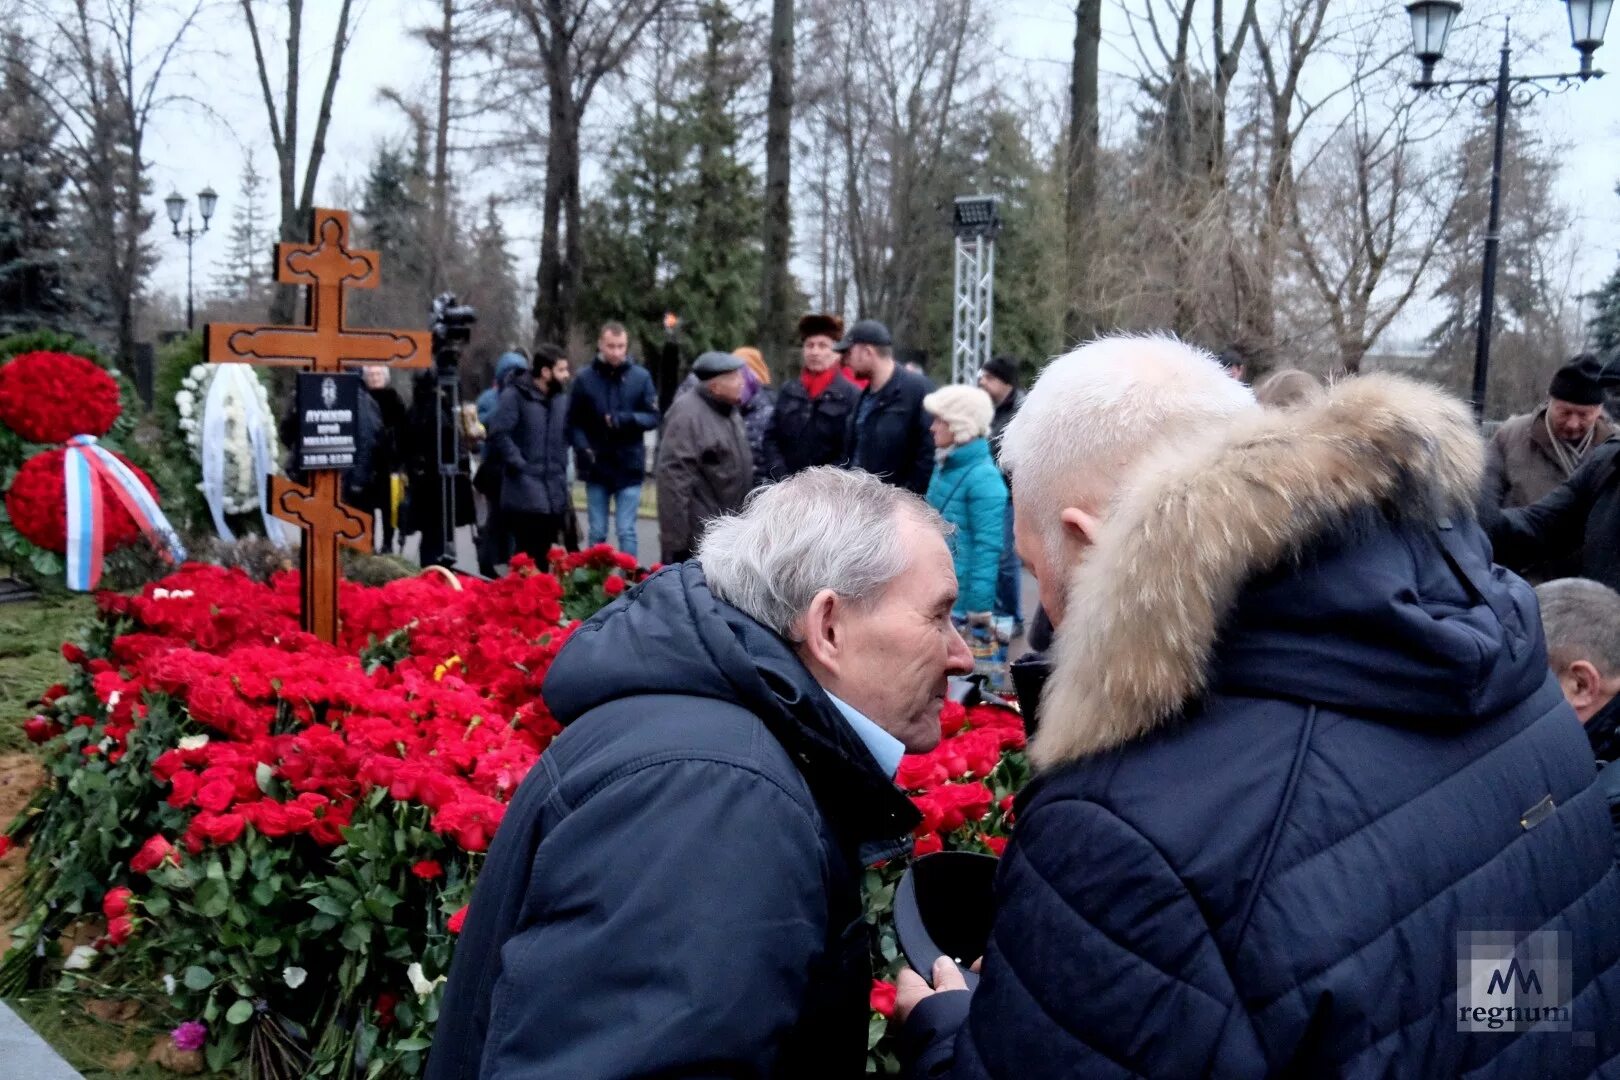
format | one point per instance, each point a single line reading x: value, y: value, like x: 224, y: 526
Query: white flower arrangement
x: 241, y: 480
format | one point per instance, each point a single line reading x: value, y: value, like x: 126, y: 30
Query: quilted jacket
x: 1298, y: 739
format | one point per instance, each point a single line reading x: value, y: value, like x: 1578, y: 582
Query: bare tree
x: 573, y: 45
x: 897, y: 74
x: 108, y: 83
x: 775, y: 284
x: 297, y: 198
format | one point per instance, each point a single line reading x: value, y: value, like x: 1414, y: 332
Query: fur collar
x: 1196, y: 523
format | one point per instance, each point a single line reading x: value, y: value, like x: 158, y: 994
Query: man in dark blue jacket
x: 675, y: 888
x: 611, y: 409
x: 1300, y: 762
x: 528, y: 444
x: 889, y: 432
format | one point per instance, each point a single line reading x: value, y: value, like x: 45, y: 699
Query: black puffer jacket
x: 1267, y: 821
x: 528, y: 442
x: 805, y: 431
x: 1579, y: 518
x: 892, y: 439
x: 675, y: 888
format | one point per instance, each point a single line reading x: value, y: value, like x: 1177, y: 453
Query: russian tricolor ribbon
x: 86, y: 466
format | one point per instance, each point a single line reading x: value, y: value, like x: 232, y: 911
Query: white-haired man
x: 1298, y: 741
x: 675, y: 888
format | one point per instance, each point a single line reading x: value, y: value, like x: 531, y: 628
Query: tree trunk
x: 1082, y: 318
x: 554, y: 289
x: 441, y: 156
x: 774, y: 299
x: 284, y: 298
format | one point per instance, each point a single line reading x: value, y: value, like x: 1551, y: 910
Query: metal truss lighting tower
x: 976, y: 223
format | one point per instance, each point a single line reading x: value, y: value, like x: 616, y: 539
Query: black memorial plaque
x: 328, y: 420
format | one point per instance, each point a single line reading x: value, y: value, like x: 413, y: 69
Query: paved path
x: 25, y: 1055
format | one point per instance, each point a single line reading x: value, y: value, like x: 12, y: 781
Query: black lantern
x: 1431, y: 25
x: 1587, y: 21
x: 176, y: 205
x: 206, y: 201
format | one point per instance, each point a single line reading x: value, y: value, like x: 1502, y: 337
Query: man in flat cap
x: 810, y: 426
x: 705, y: 467
x: 890, y: 434
x: 1533, y: 453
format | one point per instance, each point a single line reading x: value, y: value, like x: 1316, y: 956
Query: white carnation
x: 80, y: 959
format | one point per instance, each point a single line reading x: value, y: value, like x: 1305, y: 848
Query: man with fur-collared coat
x: 1298, y: 755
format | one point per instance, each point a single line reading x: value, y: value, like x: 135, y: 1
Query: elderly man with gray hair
x: 1297, y: 744
x: 1582, y: 620
x: 675, y: 888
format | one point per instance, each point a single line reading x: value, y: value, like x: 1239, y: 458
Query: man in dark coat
x: 1530, y: 455
x: 1577, y: 523
x: 1299, y: 757
x: 1582, y: 622
x: 810, y: 426
x: 528, y: 443
x: 999, y: 379
x: 890, y: 432
x: 675, y: 887
x: 389, y: 455
x: 705, y: 467
x: 611, y: 408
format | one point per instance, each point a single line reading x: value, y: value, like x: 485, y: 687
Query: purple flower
x: 190, y: 1035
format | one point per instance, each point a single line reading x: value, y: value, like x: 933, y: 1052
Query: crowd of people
x: 729, y: 430
x: 1298, y: 738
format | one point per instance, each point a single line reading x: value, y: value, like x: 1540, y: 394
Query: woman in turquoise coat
x: 968, y: 491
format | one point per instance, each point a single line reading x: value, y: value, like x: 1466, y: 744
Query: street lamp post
x: 176, y: 205
x: 1431, y: 25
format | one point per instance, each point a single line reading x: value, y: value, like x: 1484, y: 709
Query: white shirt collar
x: 886, y: 749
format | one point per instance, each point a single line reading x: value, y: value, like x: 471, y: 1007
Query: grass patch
x: 31, y: 636
x: 99, y: 1049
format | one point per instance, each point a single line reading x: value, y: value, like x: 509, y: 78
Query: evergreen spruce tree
x: 677, y: 227
x: 244, y: 271
x: 33, y: 293
x: 1605, y: 323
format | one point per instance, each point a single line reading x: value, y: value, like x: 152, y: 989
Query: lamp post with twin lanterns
x: 1431, y: 25
x: 176, y: 205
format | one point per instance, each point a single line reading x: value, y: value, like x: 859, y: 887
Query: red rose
x: 119, y: 929
x: 41, y: 729
x: 116, y: 902
x: 72, y: 653
x: 458, y: 919
x: 5, y: 845
x: 927, y: 845
x: 217, y: 828
x: 883, y: 997
x: 386, y: 1003
x: 613, y: 585
x: 216, y: 795
x: 427, y: 870
x: 153, y: 854
x: 996, y: 844
x: 623, y: 561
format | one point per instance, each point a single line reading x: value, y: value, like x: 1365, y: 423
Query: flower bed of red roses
x: 310, y: 750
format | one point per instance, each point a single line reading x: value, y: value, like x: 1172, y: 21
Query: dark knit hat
x: 828, y: 326
x: 714, y: 364
x: 1004, y: 368
x: 1578, y: 382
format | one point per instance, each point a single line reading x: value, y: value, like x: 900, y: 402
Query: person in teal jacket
x: 968, y: 491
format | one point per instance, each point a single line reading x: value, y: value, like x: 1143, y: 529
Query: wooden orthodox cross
x: 328, y: 267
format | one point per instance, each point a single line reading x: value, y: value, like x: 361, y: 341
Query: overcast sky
x: 189, y: 148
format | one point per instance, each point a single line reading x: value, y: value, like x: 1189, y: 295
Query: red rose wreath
x: 49, y: 397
